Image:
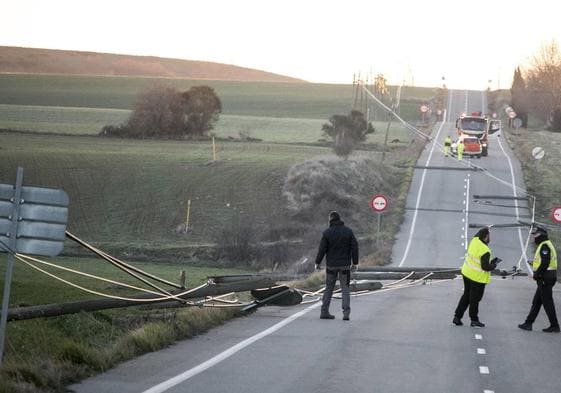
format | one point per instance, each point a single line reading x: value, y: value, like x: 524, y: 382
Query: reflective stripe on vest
x: 538, y: 260
x: 472, y: 263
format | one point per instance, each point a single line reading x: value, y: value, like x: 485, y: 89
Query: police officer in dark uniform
x: 544, y: 267
x: 339, y: 247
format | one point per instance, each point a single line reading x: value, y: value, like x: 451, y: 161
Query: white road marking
x: 162, y: 387
x: 481, y: 351
x: 514, y: 193
x: 488, y: 391
x: 449, y: 105
x: 483, y: 370
x: 478, y: 337
x: 419, y: 195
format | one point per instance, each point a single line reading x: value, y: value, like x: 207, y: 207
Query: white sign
x: 379, y: 203
x: 538, y: 153
x: 424, y: 108
x: 512, y: 114
x: 494, y: 115
x: 556, y: 214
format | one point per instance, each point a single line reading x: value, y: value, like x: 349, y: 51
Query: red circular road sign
x: 556, y: 214
x: 512, y: 114
x: 379, y: 203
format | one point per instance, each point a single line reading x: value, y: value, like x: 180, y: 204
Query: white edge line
x: 515, y: 194
x: 483, y: 369
x: 162, y: 387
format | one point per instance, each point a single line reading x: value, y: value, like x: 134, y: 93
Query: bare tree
x: 544, y: 80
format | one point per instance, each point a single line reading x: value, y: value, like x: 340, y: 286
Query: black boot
x: 327, y: 316
x: 457, y: 321
x: 526, y: 326
x: 477, y: 324
x: 551, y: 329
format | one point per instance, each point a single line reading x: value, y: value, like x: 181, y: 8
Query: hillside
x: 49, y: 61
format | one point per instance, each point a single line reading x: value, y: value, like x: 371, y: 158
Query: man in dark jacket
x: 544, y: 267
x: 339, y: 246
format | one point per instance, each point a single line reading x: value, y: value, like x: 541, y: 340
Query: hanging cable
x: 111, y: 258
x: 149, y: 300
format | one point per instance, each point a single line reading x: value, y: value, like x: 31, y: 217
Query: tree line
x: 164, y: 112
x: 537, y: 90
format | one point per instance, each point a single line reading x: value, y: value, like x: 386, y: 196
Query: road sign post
x: 379, y: 203
x: 423, y: 109
x: 32, y: 221
x: 10, y: 267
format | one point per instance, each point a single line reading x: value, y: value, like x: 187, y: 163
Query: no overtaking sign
x: 556, y: 214
x: 379, y: 203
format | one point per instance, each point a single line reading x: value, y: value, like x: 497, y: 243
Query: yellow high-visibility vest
x: 538, y: 260
x: 472, y: 263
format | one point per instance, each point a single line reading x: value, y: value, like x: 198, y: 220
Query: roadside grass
x: 46, y: 354
x: 541, y: 176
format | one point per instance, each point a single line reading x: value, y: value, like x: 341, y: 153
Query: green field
x: 137, y: 191
x: 298, y: 100
x: 89, y: 121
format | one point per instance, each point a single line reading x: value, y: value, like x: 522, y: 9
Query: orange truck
x: 478, y: 126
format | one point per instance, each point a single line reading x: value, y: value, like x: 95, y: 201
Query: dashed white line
x: 488, y: 391
x: 478, y: 337
x: 481, y: 351
x: 483, y: 370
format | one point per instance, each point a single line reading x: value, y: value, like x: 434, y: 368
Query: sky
x: 467, y: 45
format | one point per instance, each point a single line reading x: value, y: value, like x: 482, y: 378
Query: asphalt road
x: 441, y: 204
x: 398, y: 340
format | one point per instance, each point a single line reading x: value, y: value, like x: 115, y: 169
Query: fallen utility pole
x: 53, y: 310
x: 400, y: 275
x: 405, y: 269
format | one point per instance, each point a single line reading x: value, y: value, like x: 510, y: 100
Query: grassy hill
x: 50, y: 61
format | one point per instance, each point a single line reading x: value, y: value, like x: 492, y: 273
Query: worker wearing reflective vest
x: 447, y: 145
x: 476, y: 272
x: 460, y: 149
x: 544, y: 267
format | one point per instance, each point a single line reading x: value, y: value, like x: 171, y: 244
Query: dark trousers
x: 543, y: 296
x: 331, y: 276
x: 473, y: 293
